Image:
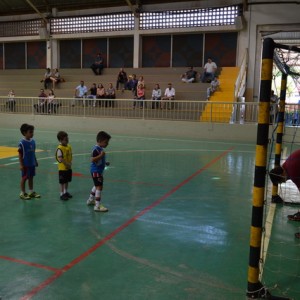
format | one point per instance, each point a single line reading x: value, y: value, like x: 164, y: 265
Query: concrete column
x: 54, y: 53
x: 136, y: 44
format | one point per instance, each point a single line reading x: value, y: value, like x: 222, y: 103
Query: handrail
x: 240, y: 84
x: 175, y: 110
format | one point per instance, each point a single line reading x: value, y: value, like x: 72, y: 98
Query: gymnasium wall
x: 178, y: 50
x: 147, y: 128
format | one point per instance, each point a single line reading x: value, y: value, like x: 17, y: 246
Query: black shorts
x: 98, y: 179
x: 65, y: 176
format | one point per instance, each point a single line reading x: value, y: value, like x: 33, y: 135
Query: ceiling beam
x: 37, y: 11
x: 132, y: 8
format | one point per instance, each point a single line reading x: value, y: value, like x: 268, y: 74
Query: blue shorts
x: 28, y: 172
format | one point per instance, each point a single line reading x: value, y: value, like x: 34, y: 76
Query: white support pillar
x: 54, y: 53
x: 136, y: 44
x: 49, y: 54
x: 48, y: 49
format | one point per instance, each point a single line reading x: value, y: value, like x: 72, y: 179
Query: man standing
x: 97, y: 66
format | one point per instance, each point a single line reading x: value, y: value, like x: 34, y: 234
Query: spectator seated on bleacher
x: 101, y: 93
x: 80, y: 92
x: 132, y: 84
x: 209, y: 71
x: 214, y: 85
x: 189, y: 76
x: 56, y: 78
x: 169, y: 96
x: 41, y: 106
x: 110, y: 94
x: 93, y: 94
x: 156, y: 96
x: 52, y: 104
x: 47, y: 78
x: 11, y: 102
x: 97, y: 65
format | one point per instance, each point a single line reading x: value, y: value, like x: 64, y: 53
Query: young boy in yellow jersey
x: 64, y: 157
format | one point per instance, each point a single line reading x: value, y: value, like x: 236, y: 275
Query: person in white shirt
x: 168, y: 96
x: 156, y: 96
x: 214, y: 85
x: 11, y: 102
x: 210, y: 69
x: 80, y: 92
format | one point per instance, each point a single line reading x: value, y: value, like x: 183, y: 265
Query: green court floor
x: 178, y: 224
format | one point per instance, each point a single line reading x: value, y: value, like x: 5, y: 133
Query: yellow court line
x: 7, y: 152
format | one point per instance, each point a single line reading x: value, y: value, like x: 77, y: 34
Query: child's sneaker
x: 90, y: 201
x: 25, y: 196
x: 100, y: 208
x: 68, y: 195
x: 64, y: 197
x: 34, y: 195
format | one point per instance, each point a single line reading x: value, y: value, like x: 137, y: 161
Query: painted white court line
x: 130, y: 151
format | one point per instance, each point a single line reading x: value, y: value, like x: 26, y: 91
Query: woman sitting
x: 156, y: 96
x: 55, y: 78
x: 101, y: 92
x: 110, y: 94
x: 52, y: 104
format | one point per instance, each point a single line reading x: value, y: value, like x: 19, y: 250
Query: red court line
x: 23, y: 262
x: 81, y: 257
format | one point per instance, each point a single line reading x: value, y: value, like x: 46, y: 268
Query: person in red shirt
x: 290, y: 170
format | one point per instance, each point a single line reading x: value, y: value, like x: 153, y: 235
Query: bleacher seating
x: 26, y: 83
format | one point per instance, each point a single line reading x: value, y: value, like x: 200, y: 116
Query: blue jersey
x: 97, y: 167
x: 26, y: 149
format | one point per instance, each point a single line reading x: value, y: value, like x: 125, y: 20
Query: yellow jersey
x: 66, y: 152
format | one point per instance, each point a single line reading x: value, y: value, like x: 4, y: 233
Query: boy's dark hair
x: 102, y: 136
x: 26, y: 127
x: 276, y: 175
x: 61, y: 135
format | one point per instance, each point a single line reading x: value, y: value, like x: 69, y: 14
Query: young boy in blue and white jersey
x: 98, y: 163
x: 28, y: 162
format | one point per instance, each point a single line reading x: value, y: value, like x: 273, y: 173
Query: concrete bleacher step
x: 222, y: 112
x: 26, y: 83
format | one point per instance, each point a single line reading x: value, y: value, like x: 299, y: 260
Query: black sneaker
x: 294, y: 217
x: 64, y: 197
x: 68, y: 195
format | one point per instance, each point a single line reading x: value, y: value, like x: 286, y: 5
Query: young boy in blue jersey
x: 63, y: 156
x: 28, y: 162
x: 98, y: 163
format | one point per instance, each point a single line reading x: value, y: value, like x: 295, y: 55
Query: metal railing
x: 240, y: 84
x: 192, y: 111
